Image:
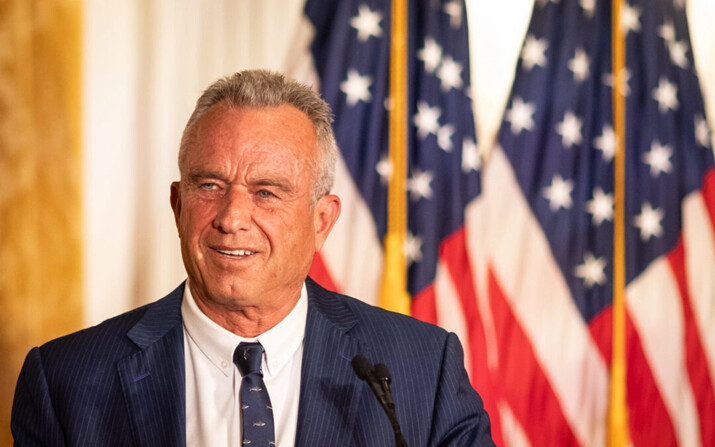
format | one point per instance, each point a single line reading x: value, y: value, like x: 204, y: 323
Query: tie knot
x: 247, y: 357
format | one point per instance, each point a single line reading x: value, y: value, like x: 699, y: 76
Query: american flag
x: 521, y: 268
x: 350, y: 48
x: 546, y: 248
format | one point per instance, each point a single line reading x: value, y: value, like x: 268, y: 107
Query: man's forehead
x: 261, y: 132
x: 225, y: 119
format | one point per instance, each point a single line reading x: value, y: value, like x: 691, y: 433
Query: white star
x: 430, y: 54
x: 426, y: 119
x: 630, y: 18
x: 606, y: 143
x: 356, y: 87
x: 648, y: 221
x: 419, y: 184
x: 559, y: 193
x: 533, y: 52
x: 588, y: 6
x: 591, y: 271
x: 658, y: 158
x: 600, y: 206
x: 667, y: 31
x: 450, y: 73
x: 569, y: 129
x: 454, y: 10
x: 702, y: 132
x: 384, y: 169
x: 471, y: 158
x: 412, y: 248
x: 677, y: 50
x: 520, y: 115
x: 579, y: 65
x: 444, y: 137
x: 367, y: 23
x: 619, y: 81
x: 667, y: 95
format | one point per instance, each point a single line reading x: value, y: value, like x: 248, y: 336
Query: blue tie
x: 256, y: 410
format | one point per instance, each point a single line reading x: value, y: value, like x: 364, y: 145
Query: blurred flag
x: 544, y: 251
x: 523, y: 272
x: 349, y: 43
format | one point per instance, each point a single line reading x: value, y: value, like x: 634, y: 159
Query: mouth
x: 239, y: 253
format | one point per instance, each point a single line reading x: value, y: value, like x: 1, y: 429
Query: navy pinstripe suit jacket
x: 121, y: 383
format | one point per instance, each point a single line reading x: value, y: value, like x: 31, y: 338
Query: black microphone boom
x: 378, y: 377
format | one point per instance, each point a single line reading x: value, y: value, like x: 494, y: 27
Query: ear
x: 325, y: 215
x: 175, y: 199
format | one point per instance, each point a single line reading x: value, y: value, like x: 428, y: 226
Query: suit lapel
x: 330, y: 391
x: 153, y: 379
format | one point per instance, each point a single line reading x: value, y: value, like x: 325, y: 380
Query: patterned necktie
x: 256, y: 410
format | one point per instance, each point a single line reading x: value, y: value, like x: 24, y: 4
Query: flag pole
x: 618, y: 408
x: 393, y: 290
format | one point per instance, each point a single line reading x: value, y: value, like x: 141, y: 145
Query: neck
x: 248, y: 321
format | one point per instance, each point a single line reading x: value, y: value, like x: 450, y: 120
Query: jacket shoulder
x: 370, y: 322
x: 107, y: 340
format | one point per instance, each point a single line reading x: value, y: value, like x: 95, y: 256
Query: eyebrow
x: 200, y: 175
x: 281, y: 183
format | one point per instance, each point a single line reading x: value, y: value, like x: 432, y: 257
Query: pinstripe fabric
x: 435, y: 403
x: 121, y: 383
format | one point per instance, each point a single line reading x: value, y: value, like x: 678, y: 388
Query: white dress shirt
x: 213, y: 382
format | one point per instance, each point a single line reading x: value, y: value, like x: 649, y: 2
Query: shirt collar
x: 217, y: 343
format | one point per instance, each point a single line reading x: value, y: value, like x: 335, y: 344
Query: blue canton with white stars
x: 352, y: 51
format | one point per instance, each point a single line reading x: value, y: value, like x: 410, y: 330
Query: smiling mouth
x: 236, y: 253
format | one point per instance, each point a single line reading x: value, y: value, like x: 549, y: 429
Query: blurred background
x: 94, y: 95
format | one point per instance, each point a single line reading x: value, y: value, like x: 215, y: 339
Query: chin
x: 234, y: 292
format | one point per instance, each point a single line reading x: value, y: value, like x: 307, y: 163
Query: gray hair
x: 264, y: 88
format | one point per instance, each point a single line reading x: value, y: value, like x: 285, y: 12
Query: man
x: 252, y: 208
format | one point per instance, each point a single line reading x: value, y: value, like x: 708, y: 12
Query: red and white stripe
x: 552, y: 368
x: 552, y: 376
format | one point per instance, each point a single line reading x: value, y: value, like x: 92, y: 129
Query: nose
x: 234, y: 212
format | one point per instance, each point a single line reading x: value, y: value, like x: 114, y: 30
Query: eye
x: 264, y: 194
x: 208, y: 186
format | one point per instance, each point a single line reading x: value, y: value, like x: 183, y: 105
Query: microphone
x: 379, y: 379
x: 361, y: 366
x: 365, y: 371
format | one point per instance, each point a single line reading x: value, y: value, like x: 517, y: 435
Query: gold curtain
x: 40, y: 181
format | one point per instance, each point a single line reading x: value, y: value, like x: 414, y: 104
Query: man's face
x: 243, y: 207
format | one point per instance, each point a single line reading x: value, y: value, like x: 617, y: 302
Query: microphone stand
x: 378, y: 377
x: 381, y: 373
